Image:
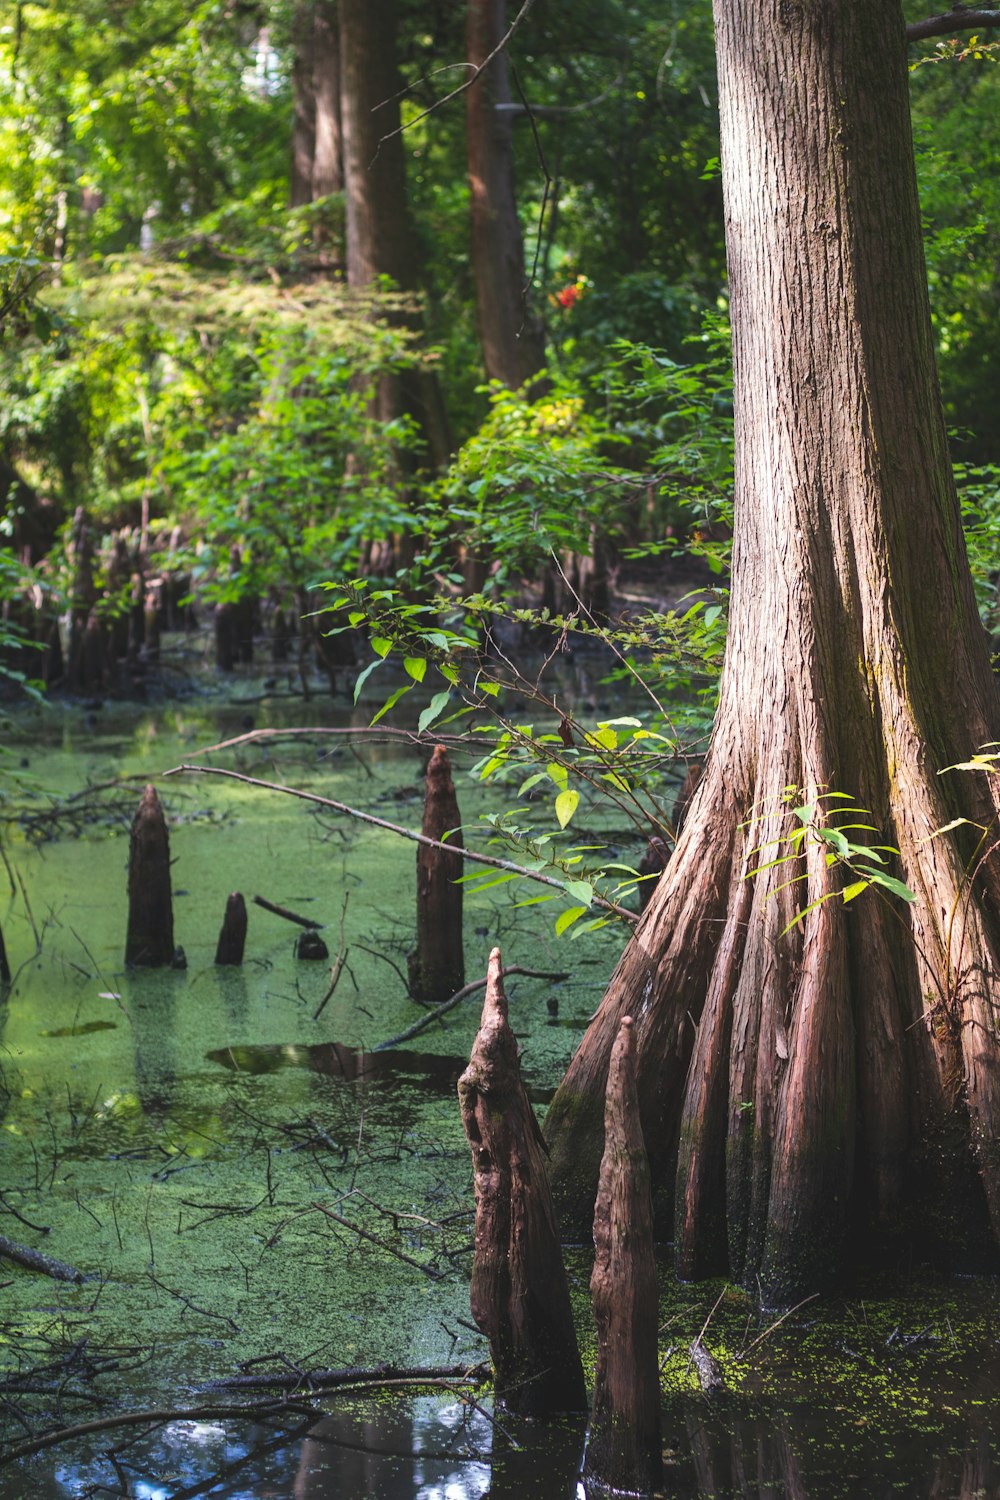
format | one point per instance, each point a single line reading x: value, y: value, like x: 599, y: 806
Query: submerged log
x: 437, y: 963
x: 233, y: 935
x: 519, y: 1293
x: 150, y: 940
x: 624, y: 1449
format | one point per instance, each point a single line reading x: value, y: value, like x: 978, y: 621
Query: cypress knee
x: 150, y: 940
x: 437, y: 963
x: 623, y: 1449
x: 519, y: 1294
x: 233, y: 935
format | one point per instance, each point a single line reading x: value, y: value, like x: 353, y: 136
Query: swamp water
x: 249, y: 1190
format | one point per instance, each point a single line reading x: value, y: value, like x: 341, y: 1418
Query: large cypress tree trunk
x: 510, y: 330
x: 806, y: 1080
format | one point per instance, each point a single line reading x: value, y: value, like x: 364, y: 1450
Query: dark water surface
x: 249, y: 1190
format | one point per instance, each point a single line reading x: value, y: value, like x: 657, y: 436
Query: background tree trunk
x: 328, y: 161
x: 844, y: 1071
x: 380, y: 234
x: 303, y: 104
x: 511, y: 332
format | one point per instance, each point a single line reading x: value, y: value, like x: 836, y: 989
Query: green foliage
x: 860, y: 863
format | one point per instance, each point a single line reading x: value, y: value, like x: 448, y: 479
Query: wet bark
x: 509, y: 327
x: 437, y: 963
x: 624, y: 1449
x: 150, y: 939
x: 840, y: 1074
x: 233, y: 934
x: 519, y: 1294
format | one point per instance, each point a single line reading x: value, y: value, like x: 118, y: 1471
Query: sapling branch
x: 407, y: 833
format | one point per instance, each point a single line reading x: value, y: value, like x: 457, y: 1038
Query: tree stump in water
x: 437, y: 964
x: 150, y: 940
x: 653, y: 863
x: 519, y: 1295
x: 623, y: 1449
x: 233, y: 936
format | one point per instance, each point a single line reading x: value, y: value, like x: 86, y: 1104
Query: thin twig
x: 777, y: 1324
x: 364, y: 1234
x: 456, y: 999
x: 477, y: 69
x: 338, y: 966
x: 397, y: 828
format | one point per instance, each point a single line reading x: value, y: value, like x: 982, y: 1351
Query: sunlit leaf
x: 566, y: 805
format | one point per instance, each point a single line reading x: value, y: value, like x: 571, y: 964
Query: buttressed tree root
x: 623, y: 1449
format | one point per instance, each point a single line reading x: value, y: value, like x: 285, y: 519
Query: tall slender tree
x: 509, y: 327
x: 811, y: 1065
x: 381, y: 240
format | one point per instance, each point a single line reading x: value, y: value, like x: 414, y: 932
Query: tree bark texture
x: 303, y: 104
x: 519, y: 1294
x: 623, y: 1448
x: 381, y: 240
x: 842, y: 1073
x: 150, y: 940
x: 509, y: 329
x: 328, y: 161
x: 437, y: 963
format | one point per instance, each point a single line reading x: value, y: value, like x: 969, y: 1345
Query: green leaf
x: 435, y: 707
x: 363, y: 678
x: 580, y: 890
x: 492, y: 688
x: 392, y: 700
x: 532, y: 781
x: 806, y: 910
x: 854, y: 889
x: 889, y: 883
x: 381, y: 645
x: 566, y: 805
x: 567, y: 918
x: 416, y: 667
x: 804, y: 813
x: 558, y: 773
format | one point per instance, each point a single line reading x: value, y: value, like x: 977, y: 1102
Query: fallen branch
x: 155, y: 1418
x: 325, y: 1380
x: 373, y: 1239
x: 397, y: 828
x: 456, y: 999
x: 271, y: 906
x: 34, y: 1260
x: 708, y: 1368
x: 338, y: 963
